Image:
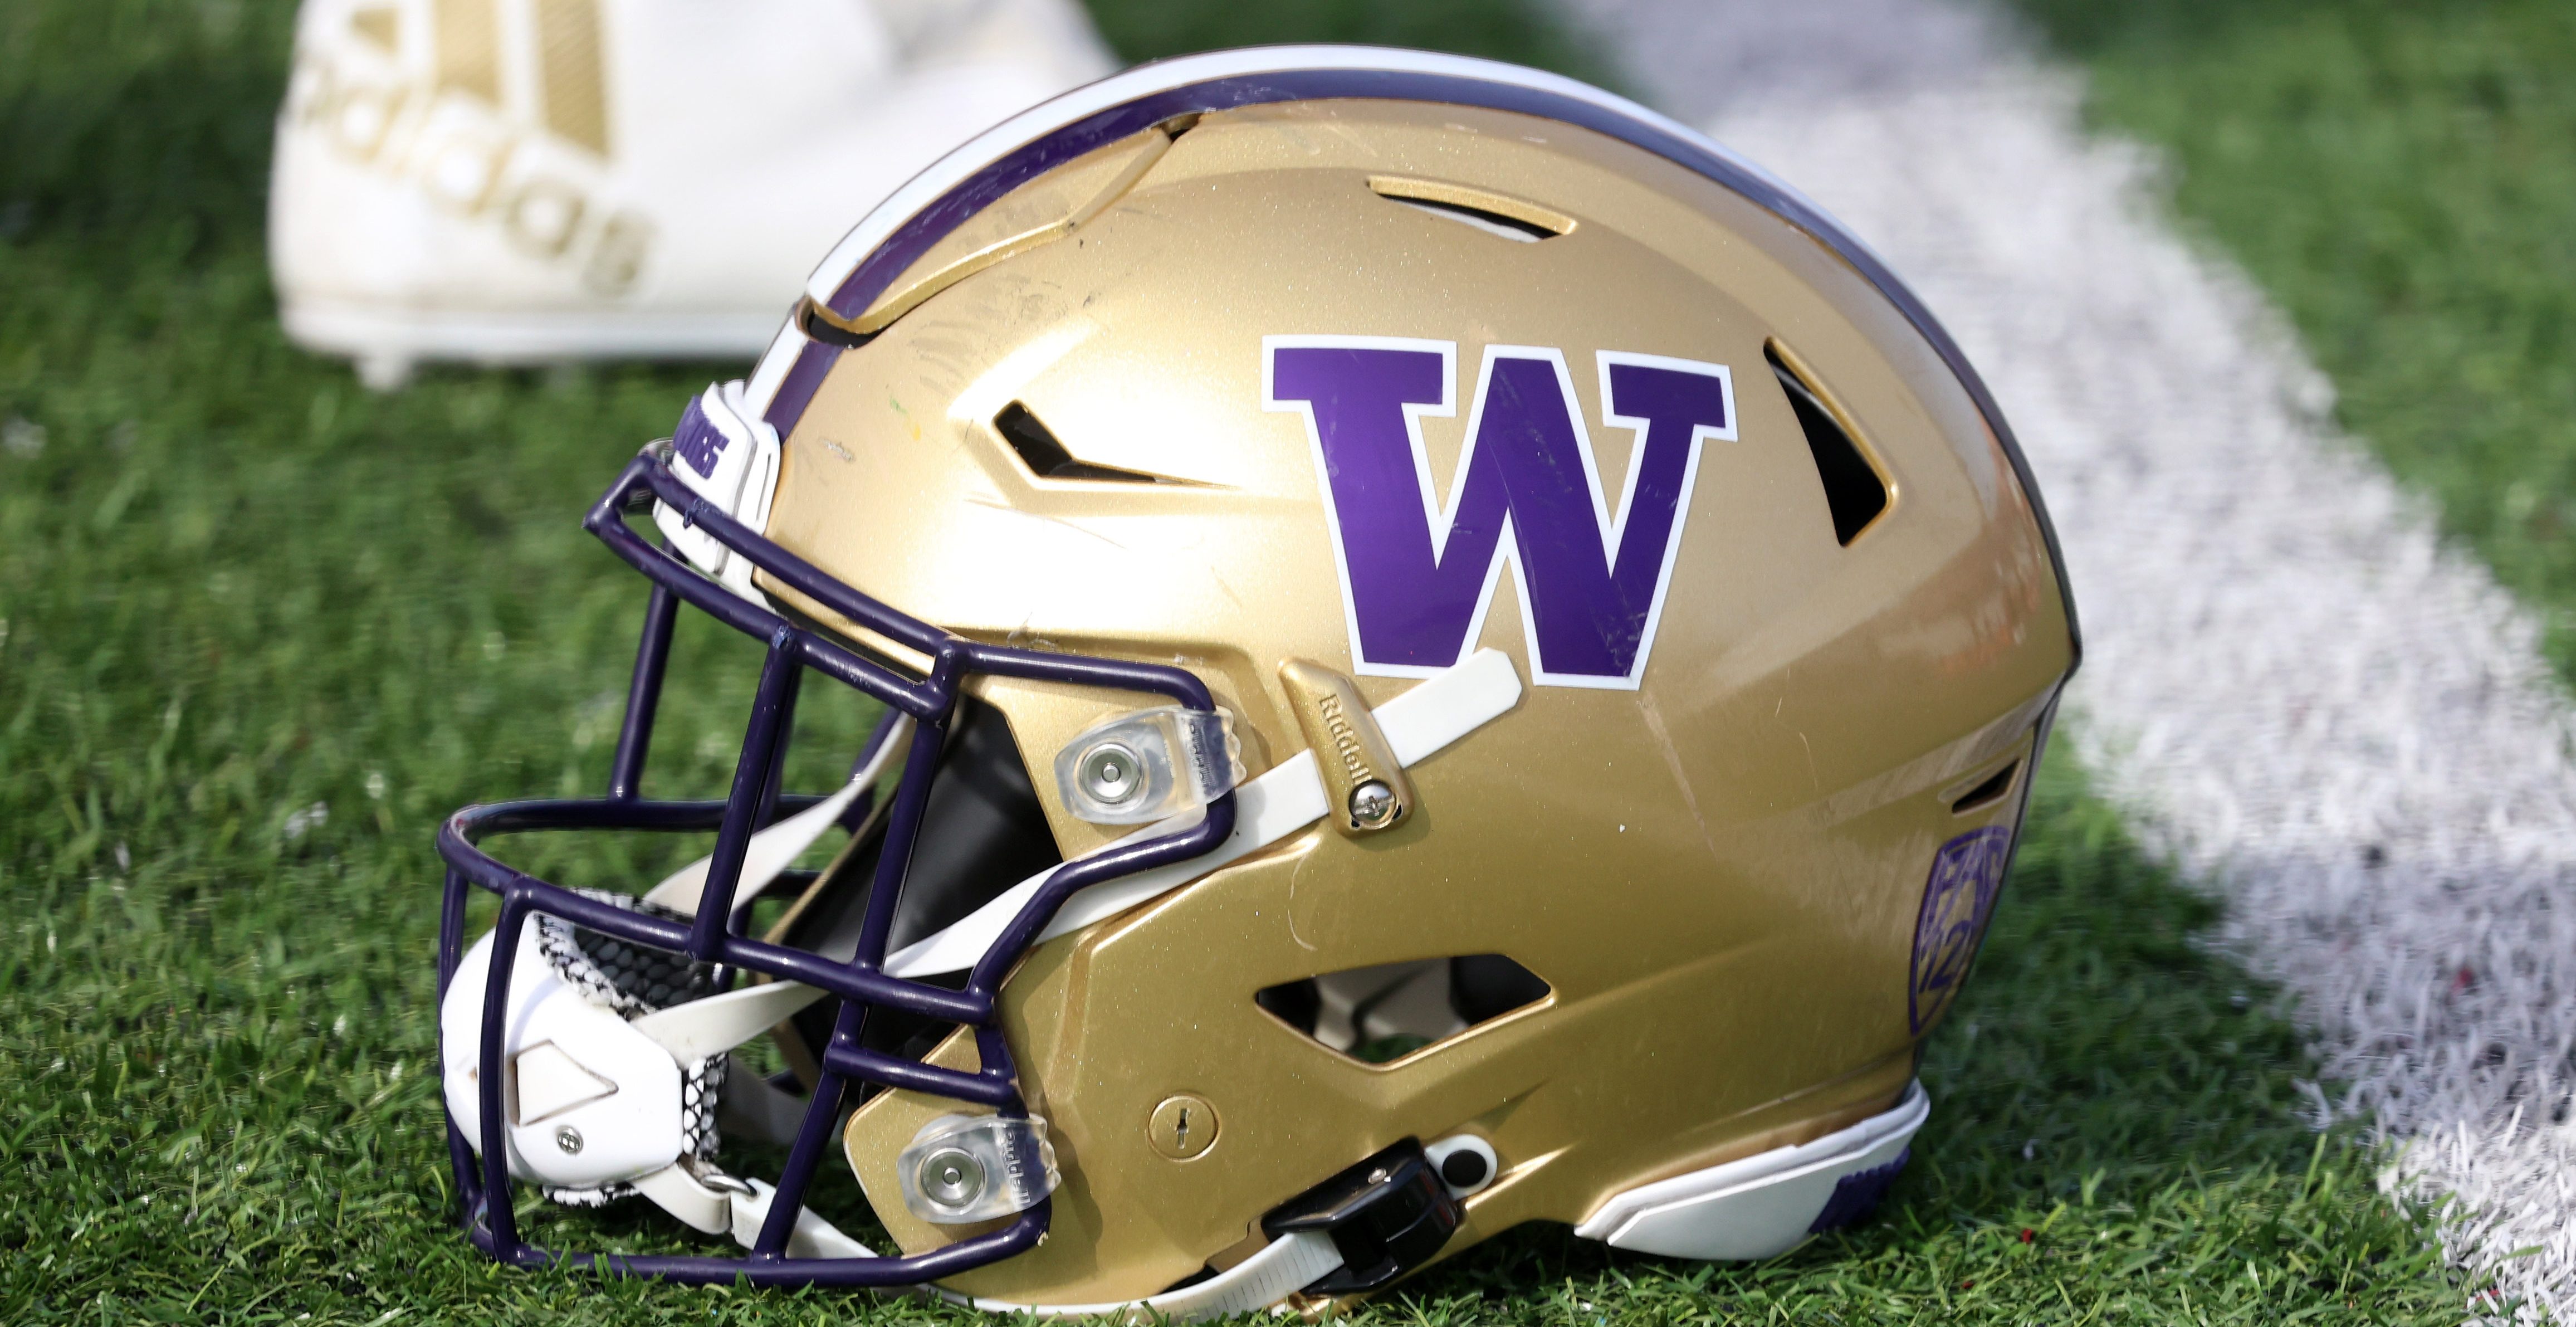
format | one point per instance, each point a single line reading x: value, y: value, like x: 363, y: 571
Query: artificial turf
x: 260, y: 628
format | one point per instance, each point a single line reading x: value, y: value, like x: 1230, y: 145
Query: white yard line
x: 2303, y: 699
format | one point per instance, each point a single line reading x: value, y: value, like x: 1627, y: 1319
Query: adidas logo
x: 497, y: 111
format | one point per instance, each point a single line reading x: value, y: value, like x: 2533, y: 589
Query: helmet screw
x: 1373, y: 805
x: 1112, y: 774
x: 569, y: 1139
x: 951, y: 1177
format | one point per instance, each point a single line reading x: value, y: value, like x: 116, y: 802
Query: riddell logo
x: 503, y: 124
x: 1346, y: 741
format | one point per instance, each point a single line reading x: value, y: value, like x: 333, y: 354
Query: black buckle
x: 1388, y: 1215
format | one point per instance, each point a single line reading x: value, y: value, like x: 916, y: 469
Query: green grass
x: 235, y: 587
x: 2396, y: 175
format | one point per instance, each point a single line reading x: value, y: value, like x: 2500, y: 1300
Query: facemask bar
x: 714, y: 934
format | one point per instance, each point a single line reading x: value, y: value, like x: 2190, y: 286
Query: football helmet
x: 1452, y: 655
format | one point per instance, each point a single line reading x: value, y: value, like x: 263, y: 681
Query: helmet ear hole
x: 1465, y: 1163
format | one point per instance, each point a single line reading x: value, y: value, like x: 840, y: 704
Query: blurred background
x: 262, y: 625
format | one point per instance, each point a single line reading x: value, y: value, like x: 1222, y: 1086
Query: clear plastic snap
x: 1147, y: 765
x: 965, y: 1168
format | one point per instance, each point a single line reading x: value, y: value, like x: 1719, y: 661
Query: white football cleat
x: 525, y: 181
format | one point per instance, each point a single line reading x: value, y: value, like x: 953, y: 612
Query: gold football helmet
x: 1454, y: 655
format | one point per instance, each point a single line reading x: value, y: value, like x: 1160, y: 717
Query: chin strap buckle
x: 1387, y: 1215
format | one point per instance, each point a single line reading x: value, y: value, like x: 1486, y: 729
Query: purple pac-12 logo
x: 1418, y: 576
x: 1958, y: 901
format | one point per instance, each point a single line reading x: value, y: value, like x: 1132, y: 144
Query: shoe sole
x: 387, y: 344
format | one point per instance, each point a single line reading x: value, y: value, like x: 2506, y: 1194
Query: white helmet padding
x: 591, y: 1103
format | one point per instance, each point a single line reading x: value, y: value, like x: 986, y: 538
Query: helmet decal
x: 1417, y: 579
x: 1957, y: 902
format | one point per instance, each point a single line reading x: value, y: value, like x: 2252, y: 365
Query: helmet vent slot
x: 1856, y: 488
x: 818, y: 325
x: 1507, y: 218
x: 1046, y: 457
x: 1988, y: 792
x: 1395, y: 1010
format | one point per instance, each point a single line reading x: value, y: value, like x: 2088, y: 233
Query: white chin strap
x: 1436, y: 712
x: 594, y: 1100
x: 720, y: 1204
x: 776, y: 848
x: 1290, y: 1263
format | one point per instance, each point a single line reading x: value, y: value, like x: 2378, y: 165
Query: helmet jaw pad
x: 605, y: 1095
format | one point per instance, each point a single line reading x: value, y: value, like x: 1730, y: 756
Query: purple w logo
x: 1417, y: 579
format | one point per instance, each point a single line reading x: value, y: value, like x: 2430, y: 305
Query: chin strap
x: 776, y: 848
x: 719, y: 1204
x: 709, y: 1200
x: 1291, y: 1263
x: 718, y: 1023
x: 1436, y: 712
